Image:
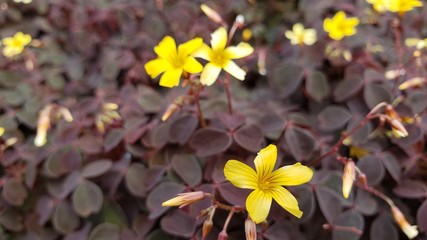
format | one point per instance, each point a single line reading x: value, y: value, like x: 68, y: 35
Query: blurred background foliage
x: 105, y: 174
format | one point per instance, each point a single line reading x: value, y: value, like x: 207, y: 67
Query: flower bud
x: 172, y: 108
x: 207, y: 227
x: 184, y: 199
x: 250, y: 229
x: 397, y: 128
x: 363, y: 180
x: 43, y: 125
x: 413, y: 82
x: 410, y: 230
x: 212, y: 14
x: 223, y: 235
x: 348, y: 177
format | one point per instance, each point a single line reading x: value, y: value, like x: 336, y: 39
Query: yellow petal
x: 157, y: 66
x: 166, y: 48
x: 204, y: 52
x: 240, y: 174
x: 219, y: 39
x: 291, y: 175
x: 191, y: 65
x: 327, y: 24
x: 171, y: 78
x: 235, y: 71
x: 210, y: 74
x: 298, y: 29
x: 285, y: 199
x: 265, y: 161
x: 258, y: 205
x: 189, y: 47
x: 239, y: 51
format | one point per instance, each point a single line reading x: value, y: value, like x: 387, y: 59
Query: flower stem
x: 227, y: 92
x: 196, y: 94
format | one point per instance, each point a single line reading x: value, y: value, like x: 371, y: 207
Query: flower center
x: 264, y: 185
x: 219, y: 58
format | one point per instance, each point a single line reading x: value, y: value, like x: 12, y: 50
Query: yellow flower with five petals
x: 173, y: 62
x: 300, y: 35
x: 340, y: 26
x: 379, y: 5
x: 267, y: 184
x: 15, y: 45
x: 402, y: 6
x: 221, y: 57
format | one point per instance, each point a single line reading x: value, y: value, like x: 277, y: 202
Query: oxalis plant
x: 223, y: 119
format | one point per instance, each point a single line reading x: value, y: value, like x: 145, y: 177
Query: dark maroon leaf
x: 417, y: 100
x: 352, y: 219
x: 188, y: 168
x: 373, y: 168
x: 232, y: 122
x: 210, y: 141
x: 383, y: 229
x: 301, y: 143
x: 306, y: 202
x: 286, y: 79
x: 64, y: 219
x: 333, y: 118
x: 90, y: 144
x: 96, y: 168
x: 422, y: 217
x: 105, y: 231
x: 415, y: 134
x: 391, y: 164
x: 411, y: 189
x: 44, y: 209
x: 249, y: 137
x: 87, y: 198
x: 142, y: 224
x: 365, y: 203
x: 112, y: 139
x: 348, y: 88
x: 11, y: 220
x: 178, y: 223
x: 63, y: 161
x: 81, y: 234
x: 182, y: 128
x: 329, y: 204
x: 232, y: 194
x: 134, y: 179
x: 317, y: 85
x: 14, y: 192
x: 61, y: 188
x: 375, y: 94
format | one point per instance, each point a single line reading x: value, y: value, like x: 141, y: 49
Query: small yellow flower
x: 16, y: 44
x: 379, y: 5
x: 172, y: 62
x: 300, y: 35
x: 23, y: 1
x: 416, y: 42
x: 402, y: 6
x: 266, y: 183
x: 340, y: 26
x: 220, y: 57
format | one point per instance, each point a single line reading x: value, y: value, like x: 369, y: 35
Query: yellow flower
x: 220, y: 57
x: 16, y: 44
x: 340, y: 26
x: 300, y: 36
x: 172, y: 62
x: 402, y: 6
x: 266, y: 183
x: 416, y: 42
x: 380, y: 5
x: 23, y: 1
